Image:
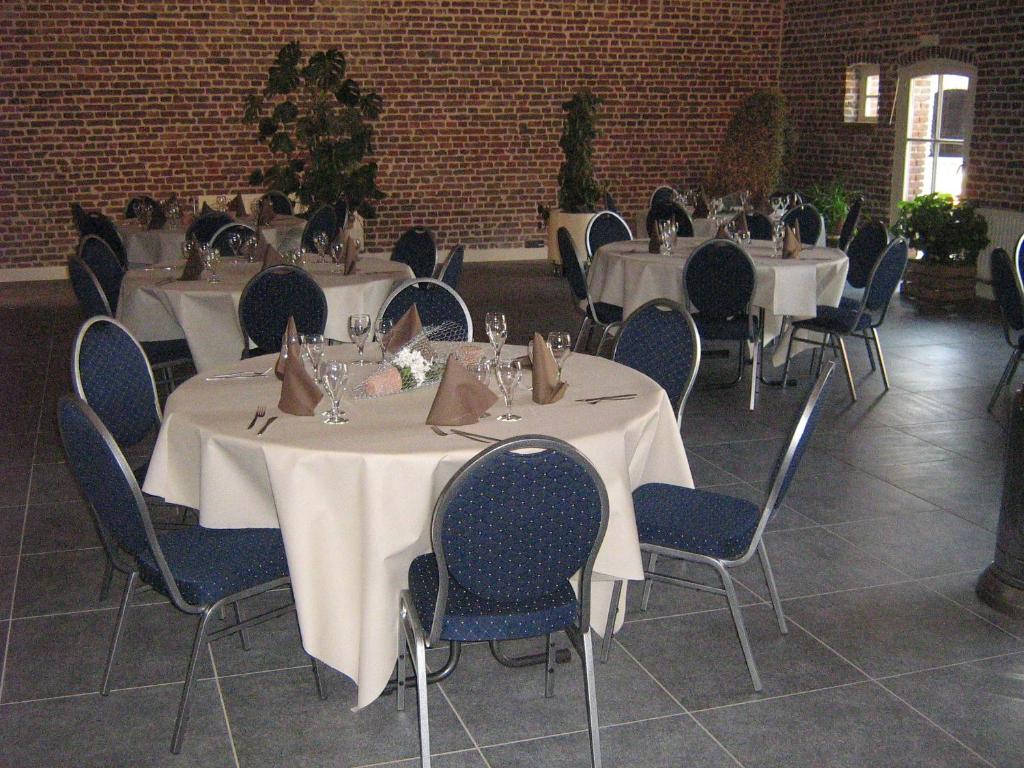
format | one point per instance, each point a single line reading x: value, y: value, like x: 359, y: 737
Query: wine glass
x: 337, y: 253
x: 313, y: 345
x: 144, y: 213
x: 249, y: 246
x: 333, y: 378
x: 714, y: 206
x: 320, y: 243
x: 497, y: 331
x: 358, y: 329
x: 384, y: 328
x: 222, y: 202
x: 235, y: 244
x: 509, y: 373
x: 482, y: 370
x: 189, y: 247
x: 561, y: 347
x: 210, y: 257
x: 778, y: 235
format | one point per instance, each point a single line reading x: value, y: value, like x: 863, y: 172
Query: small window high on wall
x: 861, y: 102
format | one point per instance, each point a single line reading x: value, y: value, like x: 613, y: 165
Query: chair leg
x: 590, y: 692
x: 420, y: 663
x: 186, y: 692
x: 1005, y: 379
x: 649, y: 583
x: 613, y: 614
x: 549, y: 667
x: 318, y: 678
x: 741, y: 629
x: 881, y: 360
x: 769, y: 580
x: 583, y: 331
x: 846, y: 367
x: 871, y: 356
x: 403, y: 654
x: 116, y: 639
x: 241, y: 633
x: 108, y: 574
x: 755, y: 373
x: 789, y: 355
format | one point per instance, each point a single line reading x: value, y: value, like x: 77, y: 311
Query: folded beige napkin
x: 791, y: 242
x: 351, y: 254
x: 291, y: 336
x: 460, y: 398
x: 723, y: 232
x: 267, y: 254
x: 405, y: 330
x: 739, y: 223
x: 237, y: 205
x: 546, y: 386
x: 299, y: 393
x: 193, y: 266
x: 700, y: 208
x: 356, y: 230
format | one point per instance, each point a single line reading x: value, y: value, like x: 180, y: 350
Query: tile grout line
x: 476, y: 745
x: 223, y: 704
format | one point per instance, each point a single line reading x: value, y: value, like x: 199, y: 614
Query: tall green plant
x: 832, y: 201
x: 754, y: 150
x: 944, y: 231
x: 316, y: 122
x: 578, y: 191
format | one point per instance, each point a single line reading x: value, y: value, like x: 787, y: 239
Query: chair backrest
x: 1019, y: 261
x: 1006, y: 287
x: 110, y: 371
x: 517, y: 521
x: 864, y: 250
x: 663, y: 194
x: 220, y: 237
x: 759, y: 226
x: 131, y: 211
x: 850, y: 223
x: 111, y: 490
x: 666, y: 211
x: 606, y: 227
x: 885, y: 278
x: 101, y: 259
x: 206, y: 226
x: 97, y: 224
x: 571, y: 267
x: 719, y: 280
x: 279, y: 202
x: 660, y: 339
x: 341, y: 213
x: 80, y: 217
x: 324, y: 219
x: 435, y: 302
x: 417, y: 248
x: 609, y: 203
x: 274, y: 295
x: 451, y: 270
x: 87, y: 289
x: 811, y: 222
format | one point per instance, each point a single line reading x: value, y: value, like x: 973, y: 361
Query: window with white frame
x: 861, y: 96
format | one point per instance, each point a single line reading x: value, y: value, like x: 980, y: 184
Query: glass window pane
x: 954, y: 105
x: 949, y: 174
x: 871, y: 106
x: 871, y: 86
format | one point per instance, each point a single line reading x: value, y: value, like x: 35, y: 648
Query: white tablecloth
x: 625, y: 274
x: 159, y: 246
x: 206, y: 314
x: 354, y: 502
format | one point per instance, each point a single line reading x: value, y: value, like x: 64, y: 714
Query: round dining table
x: 163, y: 246
x: 156, y: 306
x: 354, y: 501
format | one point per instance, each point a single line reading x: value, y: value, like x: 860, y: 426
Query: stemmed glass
x: 358, y: 329
x: 497, y: 331
x: 482, y: 370
x: 714, y: 206
x: 509, y: 374
x: 320, y: 242
x: 144, y: 213
x: 778, y: 235
x: 337, y: 253
x: 249, y: 246
x: 235, y: 243
x: 333, y: 378
x: 313, y: 350
x: 561, y: 347
x: 210, y: 257
x: 384, y: 327
x: 189, y: 246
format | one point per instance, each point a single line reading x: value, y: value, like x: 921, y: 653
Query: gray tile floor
x: 890, y: 659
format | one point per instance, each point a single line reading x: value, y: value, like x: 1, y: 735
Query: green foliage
x: 946, y: 232
x: 832, y: 201
x: 317, y: 124
x: 578, y: 191
x: 754, y: 151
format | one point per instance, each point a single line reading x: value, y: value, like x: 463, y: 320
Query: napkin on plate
x: 268, y: 255
x: 193, y: 267
x: 700, y: 208
x: 547, y: 388
x: 299, y: 393
x: 739, y: 223
x: 237, y: 205
x: 460, y: 398
x: 350, y: 254
x: 791, y: 242
x: 205, y: 209
x: 266, y: 213
x: 405, y: 330
x: 291, y: 336
x: 723, y: 232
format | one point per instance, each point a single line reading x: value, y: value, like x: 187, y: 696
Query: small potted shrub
x: 948, y: 237
x: 833, y: 202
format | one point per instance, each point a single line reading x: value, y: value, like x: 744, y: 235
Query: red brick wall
x: 103, y: 100
x: 821, y: 38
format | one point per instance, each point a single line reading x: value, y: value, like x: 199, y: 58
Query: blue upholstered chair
x: 207, y: 225
x: 661, y: 341
x: 719, y: 531
x: 597, y: 314
x: 859, y: 318
x: 606, y: 227
x: 666, y: 211
x: 509, y: 531
x: 663, y: 194
x: 759, y: 226
x: 198, y: 569
x: 91, y: 297
x: 97, y: 224
x: 417, y: 248
x: 719, y: 281
x: 451, y: 270
x: 436, y: 302
x: 864, y: 251
x: 80, y: 217
x: 325, y: 220
x: 101, y: 259
x: 270, y: 298
x: 131, y: 210
x: 850, y: 223
x: 279, y: 202
x: 220, y: 237
x: 812, y: 225
x: 1006, y: 283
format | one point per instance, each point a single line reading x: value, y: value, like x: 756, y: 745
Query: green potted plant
x: 833, y: 202
x: 579, y: 193
x: 948, y: 237
x: 316, y: 122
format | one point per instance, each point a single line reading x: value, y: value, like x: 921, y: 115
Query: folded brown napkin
x: 739, y: 223
x: 291, y: 336
x: 266, y: 213
x: 237, y: 205
x: 700, y: 208
x: 546, y: 386
x: 267, y: 254
x: 723, y: 232
x: 405, y: 330
x: 351, y: 254
x: 193, y: 266
x: 205, y: 209
x: 460, y: 398
x: 791, y: 242
x: 299, y: 393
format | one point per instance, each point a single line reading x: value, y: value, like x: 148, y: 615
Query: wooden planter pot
x: 938, y: 284
x: 576, y: 223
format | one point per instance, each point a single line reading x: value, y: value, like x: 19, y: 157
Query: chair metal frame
x: 669, y: 305
x: 79, y: 263
x: 413, y: 638
x: 442, y: 268
x: 654, y: 194
x: 227, y: 227
x: 125, y: 565
x: 82, y: 243
x: 590, y: 226
x: 722, y: 566
x: 420, y: 282
x: 850, y: 223
x: 590, y: 319
x: 277, y: 268
x: 1016, y: 350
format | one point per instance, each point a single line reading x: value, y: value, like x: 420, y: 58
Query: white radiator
x: 1004, y: 230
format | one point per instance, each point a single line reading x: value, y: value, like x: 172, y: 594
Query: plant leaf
x: 253, y: 107
x: 285, y: 112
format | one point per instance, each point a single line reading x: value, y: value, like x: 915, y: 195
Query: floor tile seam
x: 657, y: 682
x: 100, y: 609
x: 462, y: 722
x: 903, y: 428
x: 124, y: 689
x: 702, y: 611
x: 223, y: 704
x: 951, y: 665
x: 779, y: 697
x: 971, y: 610
x: 401, y: 760
x: 58, y: 551
x: 14, y: 584
x: 254, y: 672
x: 829, y: 648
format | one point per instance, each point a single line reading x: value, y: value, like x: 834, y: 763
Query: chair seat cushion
x: 731, y: 329
x: 163, y: 352
x: 607, y: 313
x: 212, y: 563
x: 841, y: 319
x: 701, y: 522
x: 470, y: 618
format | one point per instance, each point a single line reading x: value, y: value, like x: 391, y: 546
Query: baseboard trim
x: 30, y: 274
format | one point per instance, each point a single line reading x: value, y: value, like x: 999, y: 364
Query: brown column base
x: 1001, y: 592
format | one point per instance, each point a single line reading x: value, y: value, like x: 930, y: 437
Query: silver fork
x: 260, y: 413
